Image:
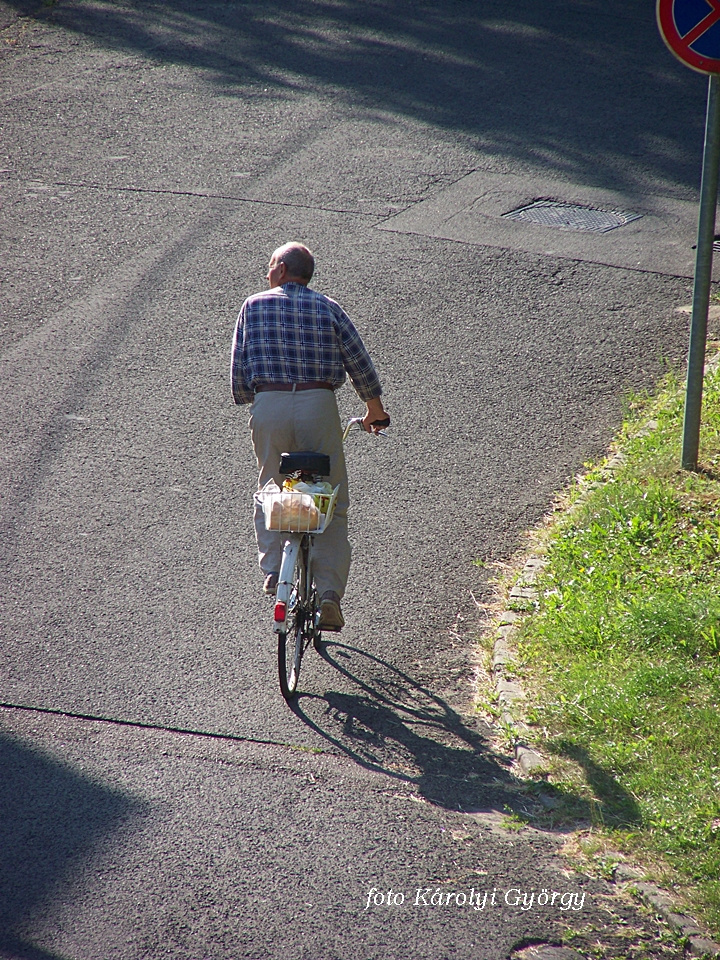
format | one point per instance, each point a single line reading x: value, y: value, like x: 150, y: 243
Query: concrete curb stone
x: 699, y: 945
x: 523, y: 594
x: 509, y: 690
x: 529, y: 760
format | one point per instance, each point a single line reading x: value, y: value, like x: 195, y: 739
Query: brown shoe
x: 331, y: 618
x: 270, y: 585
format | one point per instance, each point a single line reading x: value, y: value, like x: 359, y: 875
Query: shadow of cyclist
x: 395, y: 726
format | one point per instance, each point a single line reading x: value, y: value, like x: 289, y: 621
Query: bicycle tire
x: 291, y: 642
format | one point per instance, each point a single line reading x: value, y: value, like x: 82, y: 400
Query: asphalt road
x: 160, y: 798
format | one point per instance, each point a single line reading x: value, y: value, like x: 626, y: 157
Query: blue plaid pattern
x: 291, y: 334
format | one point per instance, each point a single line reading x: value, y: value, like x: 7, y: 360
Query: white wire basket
x: 289, y: 511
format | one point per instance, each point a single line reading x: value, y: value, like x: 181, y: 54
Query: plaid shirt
x: 291, y: 334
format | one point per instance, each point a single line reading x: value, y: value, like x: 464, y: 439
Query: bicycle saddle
x: 306, y: 462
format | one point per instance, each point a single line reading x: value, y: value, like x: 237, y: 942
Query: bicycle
x: 300, y: 515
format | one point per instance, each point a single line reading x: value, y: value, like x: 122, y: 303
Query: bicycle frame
x: 296, y: 618
x: 294, y: 543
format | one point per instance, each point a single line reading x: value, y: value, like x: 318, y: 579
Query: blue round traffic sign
x: 691, y: 29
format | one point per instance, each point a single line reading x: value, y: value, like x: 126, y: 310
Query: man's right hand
x: 376, y: 417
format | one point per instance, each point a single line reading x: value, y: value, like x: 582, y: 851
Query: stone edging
x: 509, y: 692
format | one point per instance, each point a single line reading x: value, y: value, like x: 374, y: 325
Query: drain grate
x: 571, y: 216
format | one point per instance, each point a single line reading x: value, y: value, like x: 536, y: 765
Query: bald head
x: 298, y: 260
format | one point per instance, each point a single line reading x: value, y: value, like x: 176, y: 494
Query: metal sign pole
x: 703, y: 278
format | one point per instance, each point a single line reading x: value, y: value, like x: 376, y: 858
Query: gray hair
x: 298, y: 260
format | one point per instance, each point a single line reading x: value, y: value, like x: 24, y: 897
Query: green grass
x: 622, y: 658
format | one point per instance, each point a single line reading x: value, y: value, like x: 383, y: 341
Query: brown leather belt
x: 294, y: 387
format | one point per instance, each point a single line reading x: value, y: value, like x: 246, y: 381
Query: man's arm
x: 361, y: 370
x: 241, y: 391
x: 356, y: 359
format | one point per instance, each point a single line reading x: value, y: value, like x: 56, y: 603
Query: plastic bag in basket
x: 289, y: 510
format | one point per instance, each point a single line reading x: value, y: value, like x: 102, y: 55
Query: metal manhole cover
x: 571, y: 216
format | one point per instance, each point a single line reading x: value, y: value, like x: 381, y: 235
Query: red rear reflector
x: 280, y: 612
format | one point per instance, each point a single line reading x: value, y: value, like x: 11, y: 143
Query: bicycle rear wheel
x: 291, y: 641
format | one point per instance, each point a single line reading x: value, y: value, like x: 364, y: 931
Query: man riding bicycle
x: 293, y: 347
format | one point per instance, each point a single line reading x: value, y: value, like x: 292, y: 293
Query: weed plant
x: 624, y: 649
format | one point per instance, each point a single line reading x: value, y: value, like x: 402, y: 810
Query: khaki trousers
x: 283, y: 422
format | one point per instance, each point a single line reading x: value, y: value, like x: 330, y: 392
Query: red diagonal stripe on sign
x: 710, y: 20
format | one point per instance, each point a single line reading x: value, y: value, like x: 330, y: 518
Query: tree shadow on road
x: 398, y: 727
x: 585, y: 90
x: 53, y: 818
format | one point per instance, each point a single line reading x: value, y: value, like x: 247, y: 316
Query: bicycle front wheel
x: 291, y: 641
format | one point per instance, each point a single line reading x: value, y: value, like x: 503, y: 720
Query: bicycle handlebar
x: 376, y: 423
